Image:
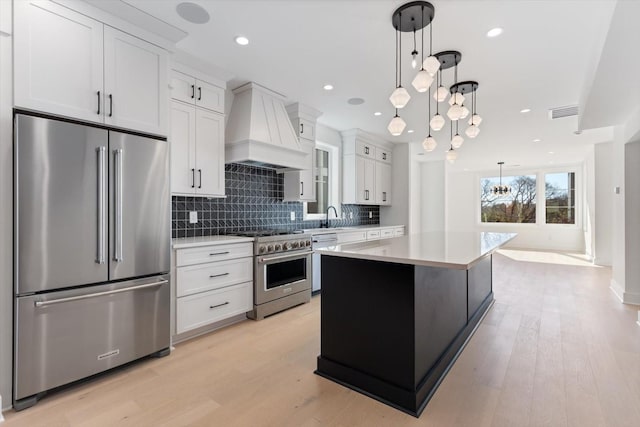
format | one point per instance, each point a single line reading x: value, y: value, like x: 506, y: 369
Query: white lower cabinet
x: 201, y: 309
x: 213, y: 283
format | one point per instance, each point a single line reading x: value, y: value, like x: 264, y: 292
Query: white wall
x: 6, y: 208
x: 603, y: 206
x: 632, y: 222
x: 618, y: 236
x: 432, y: 195
x: 589, y: 216
x: 463, y: 214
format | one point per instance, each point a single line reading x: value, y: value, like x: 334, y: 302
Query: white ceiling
x: 545, y: 58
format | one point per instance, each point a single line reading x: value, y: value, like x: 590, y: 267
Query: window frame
x: 541, y: 203
x: 334, y: 183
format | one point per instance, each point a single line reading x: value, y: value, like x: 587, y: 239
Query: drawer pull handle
x: 218, y: 275
x: 219, y: 253
x: 219, y: 305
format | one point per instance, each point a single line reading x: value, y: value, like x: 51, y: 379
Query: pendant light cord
x: 429, y: 116
x: 431, y: 38
x: 400, y: 56
x: 422, y: 34
x: 439, y: 78
x: 396, y: 57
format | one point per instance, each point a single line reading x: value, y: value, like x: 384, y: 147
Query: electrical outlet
x: 193, y: 217
x: 370, y: 214
x: 293, y: 216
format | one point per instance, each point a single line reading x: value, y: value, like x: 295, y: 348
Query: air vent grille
x: 560, y: 112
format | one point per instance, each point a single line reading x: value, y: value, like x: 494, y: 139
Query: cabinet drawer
x: 364, y: 149
x: 205, y: 277
x: 373, y: 234
x: 399, y: 231
x: 383, y: 155
x: 354, y: 236
x: 200, y: 255
x: 385, y: 233
x: 183, y: 87
x: 201, y: 309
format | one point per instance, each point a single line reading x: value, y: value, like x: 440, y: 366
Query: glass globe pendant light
x: 423, y: 80
x: 452, y: 155
x: 397, y: 125
x: 456, y: 140
x: 440, y: 95
x: 437, y: 122
x: 429, y: 144
x: 501, y: 190
x: 431, y: 64
x: 472, y: 131
x: 399, y: 97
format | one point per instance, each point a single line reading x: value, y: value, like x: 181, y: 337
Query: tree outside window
x: 560, y: 198
x: 517, y: 207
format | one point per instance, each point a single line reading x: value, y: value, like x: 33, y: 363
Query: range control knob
x: 308, y: 243
x: 278, y: 247
x: 270, y: 248
x: 262, y: 249
x: 294, y: 245
x: 286, y: 246
x: 303, y: 243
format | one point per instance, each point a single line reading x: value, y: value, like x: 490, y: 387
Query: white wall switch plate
x: 193, y: 217
x: 293, y: 216
x: 370, y: 214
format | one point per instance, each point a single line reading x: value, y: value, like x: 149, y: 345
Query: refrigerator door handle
x: 102, y: 188
x: 100, y: 294
x: 118, y: 256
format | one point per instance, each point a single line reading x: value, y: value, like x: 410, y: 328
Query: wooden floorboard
x: 556, y: 349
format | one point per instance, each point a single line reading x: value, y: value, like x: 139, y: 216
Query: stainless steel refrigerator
x: 92, y: 252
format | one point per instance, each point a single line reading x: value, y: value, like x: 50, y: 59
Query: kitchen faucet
x: 334, y: 211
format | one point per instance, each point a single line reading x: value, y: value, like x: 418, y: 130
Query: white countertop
x: 457, y: 250
x: 191, y: 242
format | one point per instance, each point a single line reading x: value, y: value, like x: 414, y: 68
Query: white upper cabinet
x: 58, y: 61
x: 197, y: 151
x: 71, y: 65
x: 193, y: 91
x: 135, y: 82
x: 367, y: 171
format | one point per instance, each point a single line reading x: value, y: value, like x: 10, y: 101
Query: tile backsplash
x: 253, y: 202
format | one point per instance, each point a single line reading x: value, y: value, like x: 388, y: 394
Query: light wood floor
x: 556, y: 349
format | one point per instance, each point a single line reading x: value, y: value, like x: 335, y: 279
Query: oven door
x: 278, y: 276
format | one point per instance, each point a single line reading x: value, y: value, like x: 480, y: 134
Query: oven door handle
x: 275, y: 258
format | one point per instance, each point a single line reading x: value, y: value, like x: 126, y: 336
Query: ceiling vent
x: 560, y: 112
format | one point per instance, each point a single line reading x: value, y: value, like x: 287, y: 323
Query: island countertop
x: 455, y: 250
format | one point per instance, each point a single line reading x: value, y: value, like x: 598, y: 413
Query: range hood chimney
x: 259, y: 131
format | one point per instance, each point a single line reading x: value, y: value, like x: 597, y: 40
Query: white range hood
x: 259, y: 131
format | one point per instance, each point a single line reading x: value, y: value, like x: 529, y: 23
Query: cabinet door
x: 307, y: 130
x: 135, y: 83
x: 365, y: 181
x: 58, y: 61
x: 365, y: 149
x: 182, y: 140
x: 383, y: 183
x: 183, y: 87
x: 209, y: 96
x: 209, y: 153
x: 307, y: 176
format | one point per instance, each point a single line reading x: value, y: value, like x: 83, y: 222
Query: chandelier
x: 501, y: 190
x: 409, y: 18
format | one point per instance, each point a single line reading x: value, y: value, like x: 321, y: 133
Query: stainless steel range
x: 282, y: 271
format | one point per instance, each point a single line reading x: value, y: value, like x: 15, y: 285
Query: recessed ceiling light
x: 537, y: 140
x: 327, y: 87
x: 242, y: 40
x: 550, y: 152
x: 410, y: 131
x: 193, y: 13
x: 525, y: 110
x: 355, y: 101
x: 494, y: 32
x: 377, y: 113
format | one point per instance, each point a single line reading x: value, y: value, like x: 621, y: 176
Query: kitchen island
x: 397, y: 312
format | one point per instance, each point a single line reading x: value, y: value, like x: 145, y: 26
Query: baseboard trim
x: 617, y: 290
x: 631, y: 298
x: 2, y: 409
x: 602, y: 261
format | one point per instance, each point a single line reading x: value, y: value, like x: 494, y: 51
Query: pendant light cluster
x: 501, y: 190
x: 412, y: 17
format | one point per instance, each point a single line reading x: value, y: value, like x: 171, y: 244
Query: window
x: 517, y: 207
x: 321, y: 181
x: 560, y: 198
x: 326, y: 176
